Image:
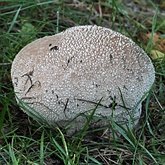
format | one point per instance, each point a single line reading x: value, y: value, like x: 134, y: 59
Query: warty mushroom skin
x: 64, y: 75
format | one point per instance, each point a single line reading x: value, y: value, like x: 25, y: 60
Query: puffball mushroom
x: 62, y: 76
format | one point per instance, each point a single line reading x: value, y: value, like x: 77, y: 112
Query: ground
x: 25, y: 141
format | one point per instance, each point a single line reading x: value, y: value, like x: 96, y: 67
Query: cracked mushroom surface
x: 67, y: 74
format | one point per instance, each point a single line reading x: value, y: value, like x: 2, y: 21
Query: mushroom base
x: 86, y: 120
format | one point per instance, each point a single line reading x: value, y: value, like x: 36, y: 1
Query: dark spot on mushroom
x: 124, y: 61
x: 54, y: 48
x: 125, y: 87
x: 109, y: 91
x: 112, y: 105
x: 80, y: 61
x: 46, y: 91
x: 77, y: 105
x: 16, y: 81
x: 69, y: 60
x: 111, y: 57
x: 112, y: 98
x: 31, y: 72
x: 52, y: 91
x: 67, y: 63
x: 63, y: 67
x: 139, y: 78
x: 130, y: 70
x: 97, y: 85
x: 50, y: 45
x: 57, y: 96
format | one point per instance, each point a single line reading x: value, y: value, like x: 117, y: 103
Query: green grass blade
x: 12, y: 153
x: 64, y: 143
x: 127, y: 135
x: 145, y: 149
x: 14, y: 19
x: 5, y: 104
x: 42, y: 149
x: 154, y: 21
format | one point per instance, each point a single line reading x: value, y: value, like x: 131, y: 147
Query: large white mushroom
x: 67, y: 74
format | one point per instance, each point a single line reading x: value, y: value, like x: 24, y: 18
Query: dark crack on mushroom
x: 92, y: 102
x: 29, y: 74
x: 65, y: 108
x: 42, y: 104
x: 28, y: 78
x: 29, y: 98
x: 32, y: 86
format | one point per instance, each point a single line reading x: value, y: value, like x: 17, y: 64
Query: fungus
x: 67, y: 74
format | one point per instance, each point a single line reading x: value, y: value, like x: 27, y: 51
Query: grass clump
x: 24, y: 141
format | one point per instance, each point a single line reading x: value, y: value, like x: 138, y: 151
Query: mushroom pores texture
x: 70, y: 73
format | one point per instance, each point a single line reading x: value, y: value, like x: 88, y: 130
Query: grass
x: 25, y: 141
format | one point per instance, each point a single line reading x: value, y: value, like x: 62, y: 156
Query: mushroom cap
x: 67, y: 74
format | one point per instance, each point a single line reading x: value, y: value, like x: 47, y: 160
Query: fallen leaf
x: 157, y: 40
x: 28, y: 31
x: 155, y: 54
